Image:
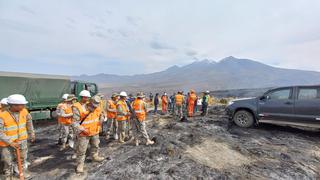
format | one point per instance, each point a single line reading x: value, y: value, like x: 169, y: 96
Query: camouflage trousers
x: 111, y: 127
x: 122, y: 126
x: 179, y: 111
x: 9, y: 158
x: 82, y: 146
x: 140, y: 129
x: 66, y: 132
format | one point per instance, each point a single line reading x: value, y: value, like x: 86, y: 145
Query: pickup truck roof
x: 30, y: 75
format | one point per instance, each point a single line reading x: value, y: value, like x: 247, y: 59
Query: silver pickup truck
x: 295, y: 105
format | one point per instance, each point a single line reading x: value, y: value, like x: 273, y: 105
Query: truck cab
x: 78, y: 86
x: 295, y: 105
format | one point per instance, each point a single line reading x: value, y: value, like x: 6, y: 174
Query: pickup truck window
x: 308, y: 93
x: 280, y: 94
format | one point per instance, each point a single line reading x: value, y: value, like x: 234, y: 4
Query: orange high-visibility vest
x: 68, y: 110
x: 138, y: 106
x: 83, y: 113
x: 113, y: 106
x: 179, y: 99
x: 192, y: 98
x: 15, y: 131
x: 164, y: 99
x: 125, y: 110
x: 92, y: 123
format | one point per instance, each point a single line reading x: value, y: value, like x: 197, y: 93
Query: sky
x: 72, y: 37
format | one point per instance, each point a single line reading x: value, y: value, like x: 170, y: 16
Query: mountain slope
x: 229, y: 73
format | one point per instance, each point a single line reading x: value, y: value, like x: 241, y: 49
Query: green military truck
x: 43, y: 92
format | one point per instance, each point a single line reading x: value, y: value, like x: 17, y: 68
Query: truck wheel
x: 243, y: 118
x: 53, y: 114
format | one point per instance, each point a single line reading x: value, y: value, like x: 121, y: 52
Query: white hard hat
x: 85, y: 93
x: 65, y: 96
x: 17, y: 99
x: 4, y: 101
x: 123, y: 94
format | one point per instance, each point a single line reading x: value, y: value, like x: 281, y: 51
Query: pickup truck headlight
x: 230, y: 103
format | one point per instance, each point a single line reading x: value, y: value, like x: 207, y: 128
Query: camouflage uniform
x: 66, y: 131
x: 83, y: 141
x: 8, y: 153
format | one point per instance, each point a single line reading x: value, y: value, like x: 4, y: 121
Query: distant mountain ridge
x: 229, y: 73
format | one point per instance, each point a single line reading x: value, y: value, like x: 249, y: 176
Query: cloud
x: 157, y: 45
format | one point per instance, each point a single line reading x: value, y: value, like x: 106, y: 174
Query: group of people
x: 81, y: 122
x: 179, y: 103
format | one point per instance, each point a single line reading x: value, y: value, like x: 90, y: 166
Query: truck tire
x: 243, y: 119
x: 53, y: 114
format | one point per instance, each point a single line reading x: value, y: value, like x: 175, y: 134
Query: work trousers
x: 122, y: 125
x: 190, y: 109
x: 82, y: 146
x: 9, y: 158
x: 179, y: 110
x: 66, y: 132
x: 140, y: 129
x: 111, y: 127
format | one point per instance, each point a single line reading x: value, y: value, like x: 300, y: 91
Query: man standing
x: 112, y: 124
x: 164, y: 102
x: 173, y: 103
x: 88, y: 132
x: 156, y: 103
x: 140, y: 110
x: 15, y: 127
x: 123, y: 114
x: 191, y: 102
x: 65, y: 115
x: 60, y: 105
x: 205, y: 103
x: 80, y: 111
x: 179, y: 101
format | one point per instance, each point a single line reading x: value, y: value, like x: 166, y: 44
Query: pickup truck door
x: 307, y: 106
x: 277, y: 105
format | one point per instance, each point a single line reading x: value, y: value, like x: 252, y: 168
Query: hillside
x: 229, y: 73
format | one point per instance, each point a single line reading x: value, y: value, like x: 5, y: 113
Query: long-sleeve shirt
x: 61, y: 112
x: 29, y: 126
x: 77, y: 119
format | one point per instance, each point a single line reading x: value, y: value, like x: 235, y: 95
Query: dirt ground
x: 204, y: 148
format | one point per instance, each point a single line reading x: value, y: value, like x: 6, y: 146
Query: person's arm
x: 30, y: 128
x: 146, y: 107
x: 101, y: 118
x: 76, y: 119
x: 3, y: 136
x: 62, y: 113
x: 109, y: 109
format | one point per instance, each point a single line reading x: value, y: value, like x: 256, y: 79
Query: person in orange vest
x: 80, y: 111
x: 164, y: 102
x: 64, y: 112
x: 88, y: 132
x: 123, y: 113
x: 112, y: 124
x: 191, y: 100
x: 64, y: 97
x: 15, y: 129
x: 3, y: 104
x: 179, y: 100
x: 139, y: 107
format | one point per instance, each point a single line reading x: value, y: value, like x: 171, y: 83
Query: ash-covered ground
x: 204, y: 148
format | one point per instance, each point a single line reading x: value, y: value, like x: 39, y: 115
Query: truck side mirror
x: 264, y: 98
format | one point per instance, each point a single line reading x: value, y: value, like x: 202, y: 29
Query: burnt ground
x: 204, y: 148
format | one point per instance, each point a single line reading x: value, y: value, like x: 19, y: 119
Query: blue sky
x: 132, y: 37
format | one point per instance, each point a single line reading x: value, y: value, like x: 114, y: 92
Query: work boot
x: 80, y: 168
x: 149, y: 142
x: 74, y: 156
x: 7, y: 177
x: 97, y: 158
x: 26, y: 174
x: 121, y: 141
x: 63, y: 147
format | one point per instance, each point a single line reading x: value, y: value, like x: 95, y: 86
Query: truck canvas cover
x: 39, y: 89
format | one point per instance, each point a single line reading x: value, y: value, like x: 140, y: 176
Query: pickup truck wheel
x: 243, y: 118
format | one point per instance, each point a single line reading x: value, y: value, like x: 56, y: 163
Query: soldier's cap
x: 95, y: 101
x: 140, y: 95
x: 100, y: 95
x: 71, y: 97
x: 115, y: 95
